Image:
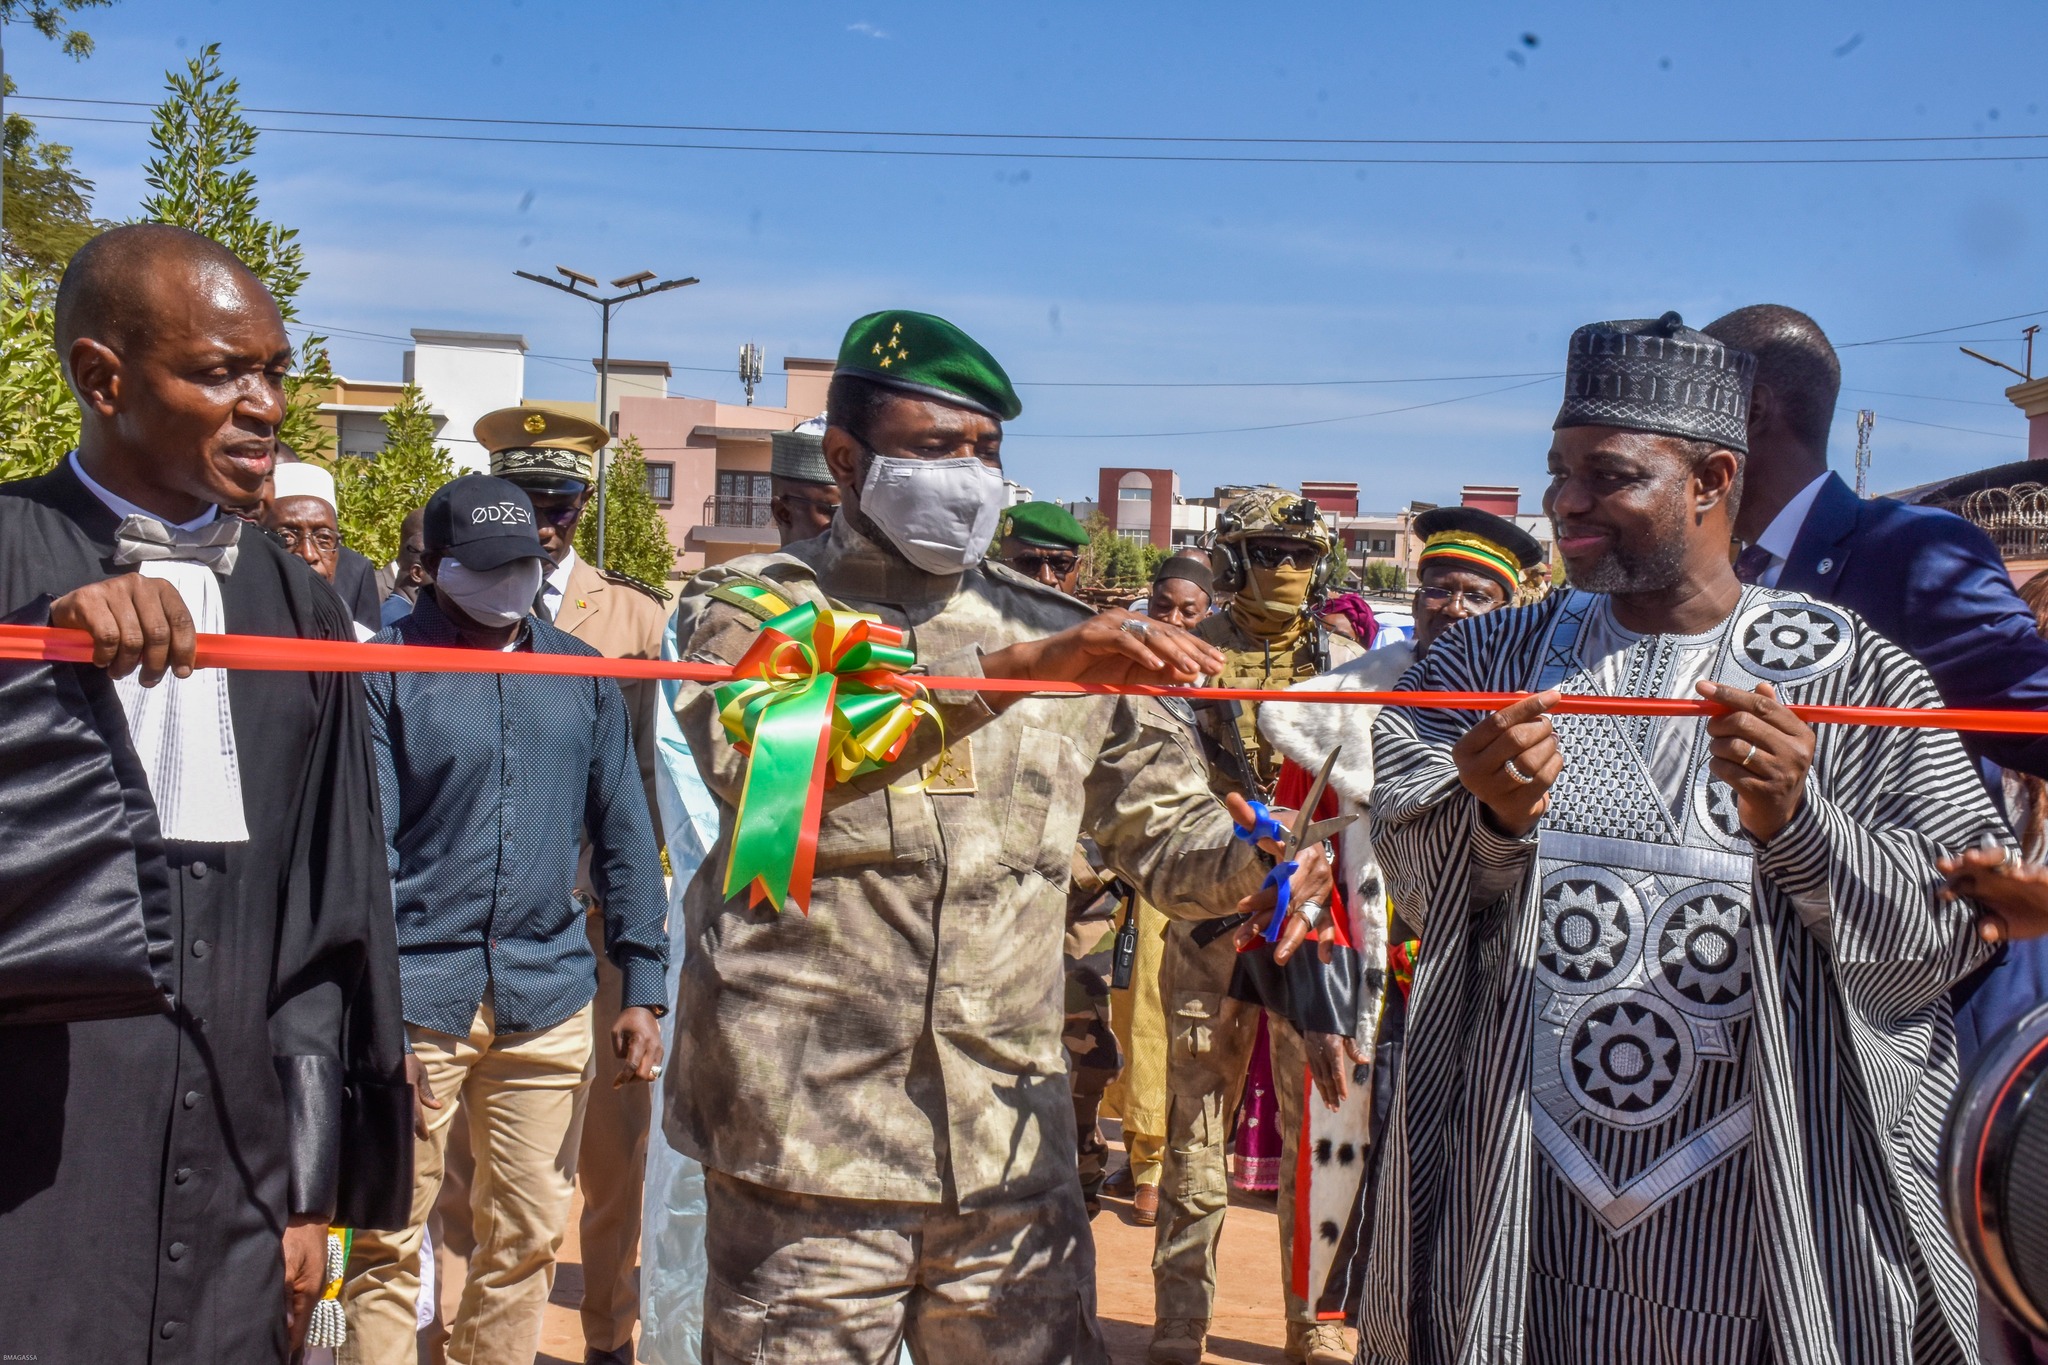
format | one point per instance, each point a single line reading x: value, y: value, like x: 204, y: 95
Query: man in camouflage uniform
x: 1271, y: 552
x: 876, y: 1088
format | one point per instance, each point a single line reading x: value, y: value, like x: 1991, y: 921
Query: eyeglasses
x: 1474, y: 601
x: 1033, y: 565
x: 326, y: 542
x: 1283, y: 556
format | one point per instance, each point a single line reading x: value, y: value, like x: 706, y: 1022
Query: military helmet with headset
x: 1267, y: 514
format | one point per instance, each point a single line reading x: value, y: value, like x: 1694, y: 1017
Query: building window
x: 1382, y: 545
x: 661, y: 482
x: 1141, y: 537
x: 1134, y: 495
x: 741, y: 500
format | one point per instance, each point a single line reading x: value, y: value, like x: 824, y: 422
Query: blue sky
x: 1182, y: 273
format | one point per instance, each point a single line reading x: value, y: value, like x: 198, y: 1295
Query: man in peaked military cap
x: 1042, y: 540
x: 803, y: 499
x: 876, y: 1088
x: 553, y: 458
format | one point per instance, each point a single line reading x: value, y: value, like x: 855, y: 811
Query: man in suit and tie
x: 553, y: 458
x: 1925, y: 578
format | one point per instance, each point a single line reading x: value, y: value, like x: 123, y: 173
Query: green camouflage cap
x: 1043, y: 523
x: 928, y: 357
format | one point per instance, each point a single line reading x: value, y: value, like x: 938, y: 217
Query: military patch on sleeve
x: 952, y: 772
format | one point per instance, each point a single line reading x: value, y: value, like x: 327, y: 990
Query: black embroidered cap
x: 1657, y: 375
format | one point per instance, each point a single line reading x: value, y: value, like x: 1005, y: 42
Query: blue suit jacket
x: 1934, y: 585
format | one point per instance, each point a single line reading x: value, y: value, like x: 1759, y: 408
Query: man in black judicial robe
x: 166, y: 1180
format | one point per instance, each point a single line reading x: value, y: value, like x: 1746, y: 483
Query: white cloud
x: 864, y: 27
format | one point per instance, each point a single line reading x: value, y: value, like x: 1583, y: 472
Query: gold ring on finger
x: 1520, y: 777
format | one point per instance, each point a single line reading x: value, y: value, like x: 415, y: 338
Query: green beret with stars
x: 1045, y: 524
x: 928, y: 357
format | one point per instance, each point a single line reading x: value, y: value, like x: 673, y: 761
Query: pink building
x: 707, y: 461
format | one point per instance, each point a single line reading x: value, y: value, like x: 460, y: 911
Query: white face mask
x: 940, y: 513
x: 492, y: 597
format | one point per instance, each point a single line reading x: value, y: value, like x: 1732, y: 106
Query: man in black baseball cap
x: 510, y: 773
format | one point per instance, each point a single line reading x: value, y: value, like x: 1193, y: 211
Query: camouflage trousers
x: 798, y: 1279
x: 1209, y: 1044
x: 1093, y: 1056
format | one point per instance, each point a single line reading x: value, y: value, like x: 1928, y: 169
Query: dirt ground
x: 1248, y: 1328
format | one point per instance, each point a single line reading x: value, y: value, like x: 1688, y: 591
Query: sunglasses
x: 1270, y: 556
x: 1031, y: 565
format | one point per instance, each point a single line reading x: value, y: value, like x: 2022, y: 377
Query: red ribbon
x: 47, y: 644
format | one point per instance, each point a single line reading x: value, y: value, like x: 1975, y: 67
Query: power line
x: 1964, y: 327
x: 1276, y: 426
x: 1149, y: 157
x: 1041, y: 383
x: 1182, y: 139
x: 1938, y: 426
x: 1932, y: 398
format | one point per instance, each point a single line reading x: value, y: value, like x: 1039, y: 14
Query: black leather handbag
x: 86, y: 917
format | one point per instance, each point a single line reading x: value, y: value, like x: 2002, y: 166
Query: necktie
x: 183, y: 729
x: 1752, y: 563
x: 141, y: 540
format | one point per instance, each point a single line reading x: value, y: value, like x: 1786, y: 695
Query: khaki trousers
x: 1139, y: 1094
x: 800, y: 1279
x: 1210, y: 1040
x: 519, y: 1092
x: 611, y: 1166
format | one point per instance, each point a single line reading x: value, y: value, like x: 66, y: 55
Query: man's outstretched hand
x: 1509, y: 761
x: 1312, y: 884
x: 134, y: 622
x: 1114, y: 646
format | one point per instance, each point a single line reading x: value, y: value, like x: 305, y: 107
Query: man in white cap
x: 301, y: 513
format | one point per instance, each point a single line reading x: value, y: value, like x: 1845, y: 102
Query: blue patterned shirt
x: 489, y: 783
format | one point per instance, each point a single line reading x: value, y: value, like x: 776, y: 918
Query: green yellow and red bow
x: 820, y: 696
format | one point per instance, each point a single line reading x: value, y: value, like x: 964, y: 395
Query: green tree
x: 38, y: 415
x: 52, y: 19
x: 198, y: 180
x: 1385, y: 576
x: 1115, y: 561
x: 636, y: 539
x: 376, y: 494
x: 48, y: 210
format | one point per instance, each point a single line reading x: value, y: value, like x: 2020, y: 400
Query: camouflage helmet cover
x: 1269, y: 513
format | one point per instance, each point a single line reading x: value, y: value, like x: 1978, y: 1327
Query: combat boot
x: 1318, y: 1343
x: 1177, y: 1341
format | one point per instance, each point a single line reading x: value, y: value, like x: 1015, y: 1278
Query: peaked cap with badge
x: 1044, y: 524
x: 1657, y: 375
x: 928, y: 357
x: 541, y: 449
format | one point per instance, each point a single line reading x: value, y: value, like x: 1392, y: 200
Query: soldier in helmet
x: 553, y: 458
x: 1272, y: 554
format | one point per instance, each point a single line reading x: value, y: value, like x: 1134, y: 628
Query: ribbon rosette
x: 819, y: 696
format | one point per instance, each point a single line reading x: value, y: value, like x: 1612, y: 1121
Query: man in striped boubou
x: 1679, y: 1041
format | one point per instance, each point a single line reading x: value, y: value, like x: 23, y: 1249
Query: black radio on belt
x: 1126, y: 937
